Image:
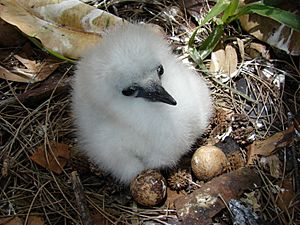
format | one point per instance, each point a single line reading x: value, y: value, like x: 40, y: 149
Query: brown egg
x: 208, y: 162
x: 149, y: 188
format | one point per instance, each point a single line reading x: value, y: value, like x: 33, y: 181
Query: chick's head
x: 130, y: 64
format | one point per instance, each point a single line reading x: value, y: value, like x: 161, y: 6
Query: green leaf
x: 218, y: 8
x: 207, y: 46
x: 287, y: 18
x: 195, y: 55
x: 192, y: 38
x: 230, y: 10
x: 273, y: 2
x: 55, y: 54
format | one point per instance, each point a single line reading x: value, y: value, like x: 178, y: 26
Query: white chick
x: 136, y: 106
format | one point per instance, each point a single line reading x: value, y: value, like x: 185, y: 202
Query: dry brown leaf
x: 6, y: 74
x: 14, y: 220
x: 252, y: 200
x: 35, y: 220
x: 217, y: 60
x: 30, y: 64
x: 268, y: 146
x: 273, y: 164
x: 231, y: 61
x: 35, y: 72
x: 271, y: 31
x: 255, y: 50
x: 45, y: 68
x: 68, y: 28
x: 35, y: 96
x: 224, y: 61
x: 286, y: 195
x: 99, y: 219
x: 171, y: 197
x: 54, y: 158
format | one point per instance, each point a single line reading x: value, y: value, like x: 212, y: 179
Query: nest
x: 249, y: 106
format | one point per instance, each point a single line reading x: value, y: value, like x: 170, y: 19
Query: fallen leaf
x: 45, y: 68
x: 35, y: 220
x: 53, y: 85
x: 252, y: 200
x: 286, y: 195
x: 14, y: 220
x: 268, y: 146
x: 271, y: 31
x: 273, y: 164
x: 28, y: 63
x: 171, y: 197
x: 255, y: 50
x: 68, y: 28
x: 99, y: 219
x: 224, y: 61
x: 54, y: 158
x: 34, y: 71
x: 6, y: 74
x: 231, y: 61
x: 217, y: 60
x: 241, y: 47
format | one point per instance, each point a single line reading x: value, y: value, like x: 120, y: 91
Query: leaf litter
x: 254, y: 108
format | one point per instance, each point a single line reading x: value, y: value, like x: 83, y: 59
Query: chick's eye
x: 129, y: 91
x: 160, y: 70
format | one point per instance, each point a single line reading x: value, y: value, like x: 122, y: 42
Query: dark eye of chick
x: 129, y: 91
x: 160, y: 70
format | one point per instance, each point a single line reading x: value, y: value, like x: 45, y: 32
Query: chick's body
x: 119, y: 128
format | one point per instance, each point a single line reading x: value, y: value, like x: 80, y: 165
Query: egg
x: 149, y: 188
x: 208, y: 162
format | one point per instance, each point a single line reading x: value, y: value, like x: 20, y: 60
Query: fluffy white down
x: 125, y: 135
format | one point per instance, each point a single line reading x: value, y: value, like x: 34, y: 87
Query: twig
x: 80, y: 199
x: 41, y: 93
x: 297, y: 182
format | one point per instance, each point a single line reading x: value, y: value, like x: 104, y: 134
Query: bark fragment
x: 200, y: 206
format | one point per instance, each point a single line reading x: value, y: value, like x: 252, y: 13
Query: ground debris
x: 55, y: 159
x: 55, y: 84
x: 269, y: 145
x: 200, y: 206
x: 243, y: 215
x: 80, y: 199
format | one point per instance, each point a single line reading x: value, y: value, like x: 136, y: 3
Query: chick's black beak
x: 155, y: 93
